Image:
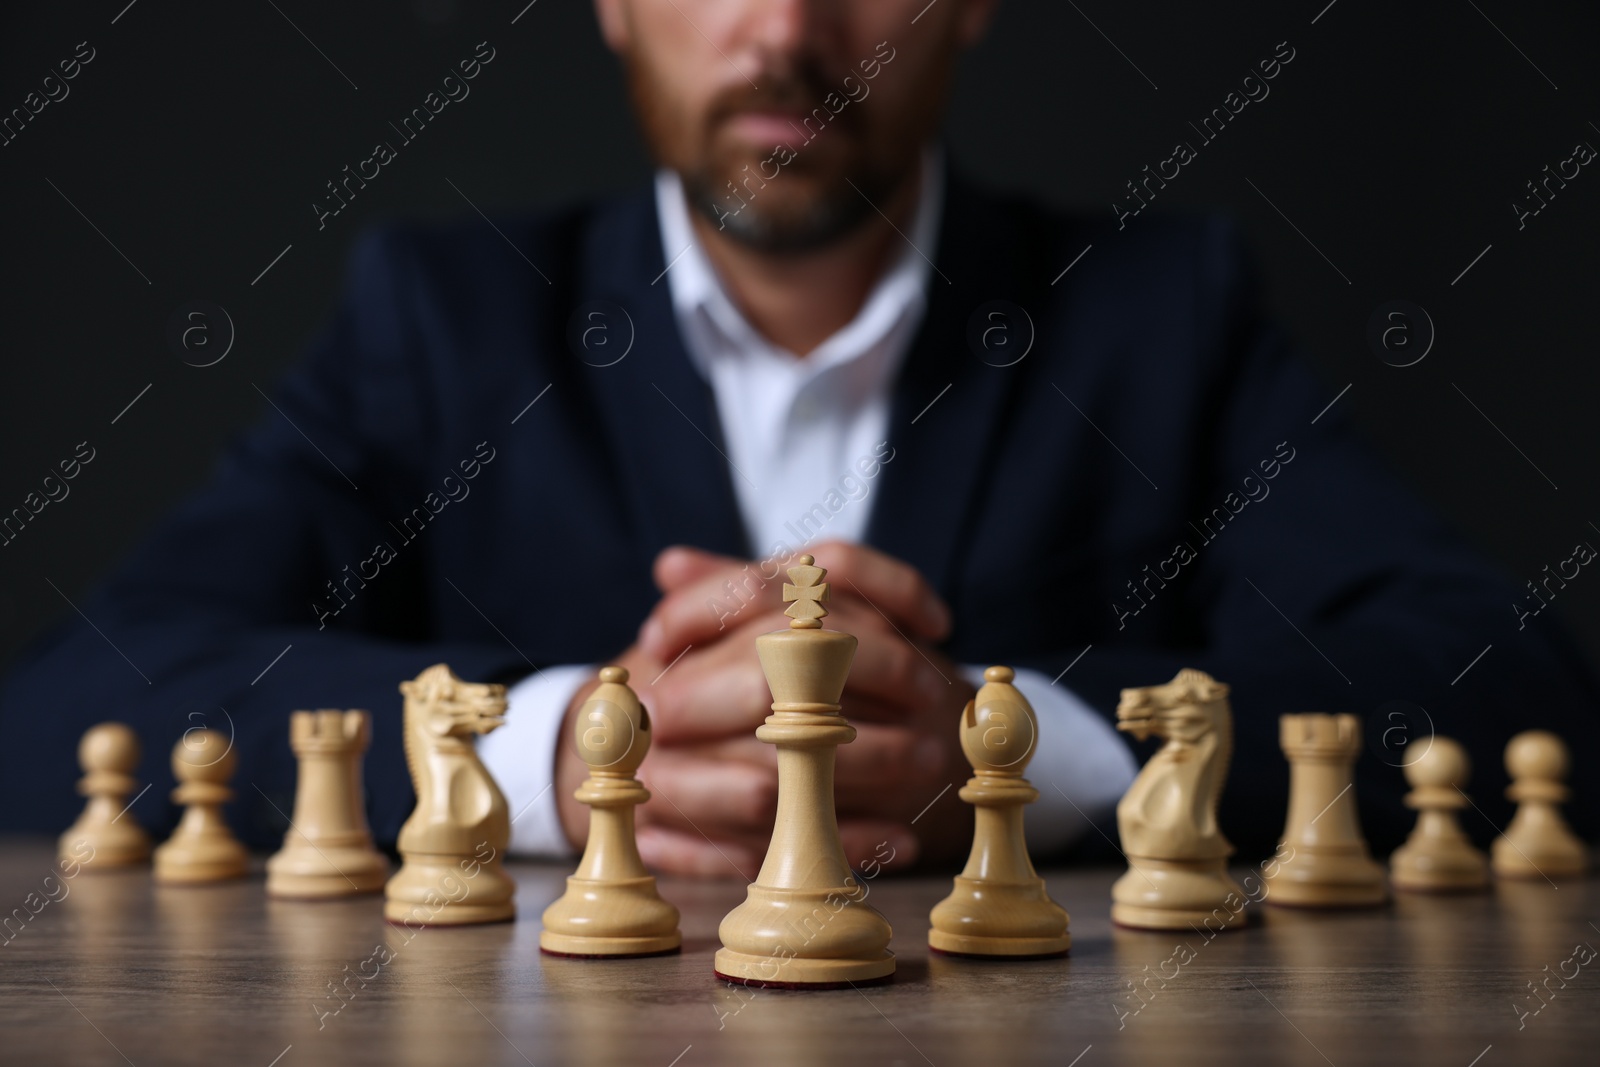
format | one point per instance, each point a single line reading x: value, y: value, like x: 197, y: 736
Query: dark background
x: 200, y: 134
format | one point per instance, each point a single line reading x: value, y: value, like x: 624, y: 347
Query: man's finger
x: 678, y: 565
x: 892, y: 586
x: 717, y: 798
x: 875, y: 846
x: 710, y: 694
x: 705, y: 608
x: 716, y: 592
x: 676, y: 852
x: 883, y: 765
x: 744, y: 748
x: 892, y: 670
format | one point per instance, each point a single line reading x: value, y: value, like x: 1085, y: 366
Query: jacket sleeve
x: 1329, y: 586
x: 264, y: 592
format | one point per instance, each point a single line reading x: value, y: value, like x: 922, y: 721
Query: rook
x: 328, y: 851
x: 1328, y: 865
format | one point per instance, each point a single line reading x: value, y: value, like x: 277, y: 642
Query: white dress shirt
x: 806, y: 440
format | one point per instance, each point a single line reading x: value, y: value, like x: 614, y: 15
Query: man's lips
x: 768, y: 127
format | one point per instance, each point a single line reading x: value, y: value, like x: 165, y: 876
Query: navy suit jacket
x: 1046, y: 501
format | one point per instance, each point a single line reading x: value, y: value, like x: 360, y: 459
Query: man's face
x: 791, y: 122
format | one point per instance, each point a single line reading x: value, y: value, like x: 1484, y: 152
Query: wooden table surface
x: 110, y: 969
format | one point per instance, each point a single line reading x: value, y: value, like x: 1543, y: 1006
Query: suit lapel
x: 947, y: 406
x: 657, y: 412
x: 660, y: 420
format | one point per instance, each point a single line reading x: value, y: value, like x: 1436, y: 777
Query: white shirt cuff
x: 521, y: 755
x: 1080, y: 766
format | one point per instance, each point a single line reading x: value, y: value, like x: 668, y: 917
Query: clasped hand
x: 715, y: 787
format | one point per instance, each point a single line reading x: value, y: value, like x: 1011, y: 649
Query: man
x: 808, y: 332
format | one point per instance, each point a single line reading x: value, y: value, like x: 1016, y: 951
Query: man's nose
x: 784, y: 27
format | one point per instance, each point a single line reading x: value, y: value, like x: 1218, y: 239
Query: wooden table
x: 115, y: 970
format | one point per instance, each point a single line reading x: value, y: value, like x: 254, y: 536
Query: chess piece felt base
x: 427, y: 891
x: 610, y: 918
x: 995, y: 948
x: 855, y: 983
x: 1346, y: 878
x: 613, y: 948
x: 415, y: 918
x: 326, y: 872
x: 1177, y: 895
x: 797, y: 973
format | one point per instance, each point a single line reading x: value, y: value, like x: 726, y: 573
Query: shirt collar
x: 700, y: 301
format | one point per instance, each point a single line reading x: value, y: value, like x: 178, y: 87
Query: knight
x: 451, y: 846
x: 1177, y: 875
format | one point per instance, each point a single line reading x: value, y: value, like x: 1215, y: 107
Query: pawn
x: 611, y: 907
x: 999, y: 906
x: 1538, y: 843
x: 327, y: 851
x: 202, y: 848
x: 1438, y: 857
x: 106, y: 835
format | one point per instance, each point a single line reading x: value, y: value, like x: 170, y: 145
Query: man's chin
x: 796, y: 211
x: 797, y: 226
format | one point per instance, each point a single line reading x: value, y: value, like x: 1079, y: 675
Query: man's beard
x: 784, y: 226
x: 821, y: 194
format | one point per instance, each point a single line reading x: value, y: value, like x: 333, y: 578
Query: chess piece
x: 1538, y: 843
x: 106, y: 835
x: 327, y: 851
x: 804, y: 923
x: 999, y: 906
x: 1177, y: 876
x: 1437, y: 857
x: 202, y: 849
x: 611, y: 907
x: 1325, y: 862
x: 451, y: 846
